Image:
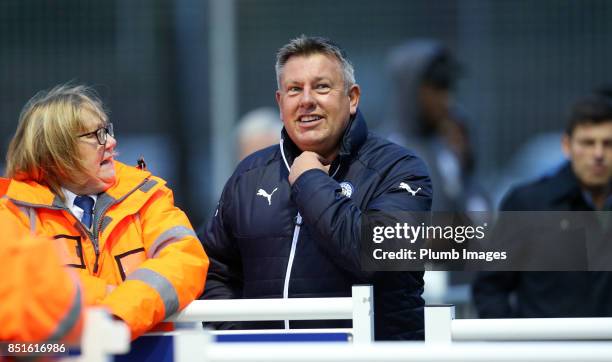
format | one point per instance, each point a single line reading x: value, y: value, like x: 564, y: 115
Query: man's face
x: 313, y: 103
x: 434, y: 104
x: 589, y: 149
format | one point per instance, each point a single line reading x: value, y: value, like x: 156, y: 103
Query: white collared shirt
x: 76, y: 211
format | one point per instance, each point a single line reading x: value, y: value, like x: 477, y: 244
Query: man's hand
x: 307, y: 161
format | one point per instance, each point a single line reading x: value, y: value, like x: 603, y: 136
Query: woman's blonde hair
x: 44, y: 148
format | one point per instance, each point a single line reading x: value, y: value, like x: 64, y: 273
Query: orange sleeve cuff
x: 94, y: 289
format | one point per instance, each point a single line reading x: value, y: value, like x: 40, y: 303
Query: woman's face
x: 98, y: 159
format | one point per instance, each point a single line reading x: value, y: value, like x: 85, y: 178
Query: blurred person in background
x: 134, y: 251
x: 288, y: 224
x: 257, y: 130
x: 583, y: 183
x: 40, y: 301
x: 427, y: 119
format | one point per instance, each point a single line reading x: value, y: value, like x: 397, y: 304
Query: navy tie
x: 86, y: 203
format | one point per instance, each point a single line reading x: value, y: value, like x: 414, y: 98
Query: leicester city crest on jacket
x: 347, y: 189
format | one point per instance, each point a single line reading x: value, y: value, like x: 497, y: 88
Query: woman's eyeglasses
x: 101, y: 133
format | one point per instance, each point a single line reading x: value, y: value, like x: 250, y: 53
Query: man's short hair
x: 592, y: 109
x: 309, y: 45
x: 44, y: 148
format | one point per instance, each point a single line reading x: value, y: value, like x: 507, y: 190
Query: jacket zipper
x: 95, y: 232
x: 296, y: 234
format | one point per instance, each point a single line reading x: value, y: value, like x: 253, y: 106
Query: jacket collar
x: 35, y: 194
x: 4, y: 184
x: 568, y: 186
x: 353, y: 138
x: 32, y: 193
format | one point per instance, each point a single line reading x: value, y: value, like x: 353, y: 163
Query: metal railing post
x: 438, y: 323
x: 363, y: 313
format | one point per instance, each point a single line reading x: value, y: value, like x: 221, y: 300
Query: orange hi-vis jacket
x: 40, y: 301
x: 141, y: 258
x: 4, y: 183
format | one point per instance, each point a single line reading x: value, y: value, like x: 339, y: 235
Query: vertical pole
x: 192, y: 346
x: 438, y: 321
x: 223, y: 94
x: 363, y: 313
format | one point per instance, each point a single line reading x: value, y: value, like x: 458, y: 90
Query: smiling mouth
x: 106, y: 162
x: 308, y: 119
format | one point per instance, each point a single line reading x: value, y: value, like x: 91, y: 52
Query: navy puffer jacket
x: 269, y: 239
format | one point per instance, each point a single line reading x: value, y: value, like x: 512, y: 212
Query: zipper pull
x: 297, y: 220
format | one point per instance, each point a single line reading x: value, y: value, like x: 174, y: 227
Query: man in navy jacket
x: 288, y: 224
x: 584, y: 183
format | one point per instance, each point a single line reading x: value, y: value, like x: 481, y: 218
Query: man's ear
x: 354, y: 93
x: 278, y: 96
x: 565, y: 145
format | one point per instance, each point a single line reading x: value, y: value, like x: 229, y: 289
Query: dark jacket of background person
x: 249, y: 240
x: 437, y: 132
x: 545, y: 294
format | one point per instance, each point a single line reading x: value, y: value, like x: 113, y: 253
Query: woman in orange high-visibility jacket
x: 135, y: 252
x: 39, y: 300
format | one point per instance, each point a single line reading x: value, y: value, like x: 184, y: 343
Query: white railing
x: 202, y: 347
x: 358, y: 308
x: 441, y: 327
x: 102, y: 337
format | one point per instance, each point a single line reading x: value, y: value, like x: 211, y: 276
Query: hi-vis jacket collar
x: 133, y: 182
x: 32, y: 194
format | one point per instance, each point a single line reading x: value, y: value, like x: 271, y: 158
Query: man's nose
x: 307, y: 100
x: 599, y: 150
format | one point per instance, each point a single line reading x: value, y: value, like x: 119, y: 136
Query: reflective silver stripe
x: 70, y: 320
x: 103, y: 202
x: 168, y: 237
x: 31, y: 214
x: 106, y: 220
x: 296, y: 234
x: 161, y: 285
x: 148, y: 185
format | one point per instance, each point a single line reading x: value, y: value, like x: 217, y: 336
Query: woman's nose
x: 111, y: 142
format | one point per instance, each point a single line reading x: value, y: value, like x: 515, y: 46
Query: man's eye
x: 322, y: 86
x: 587, y: 142
x: 294, y: 89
